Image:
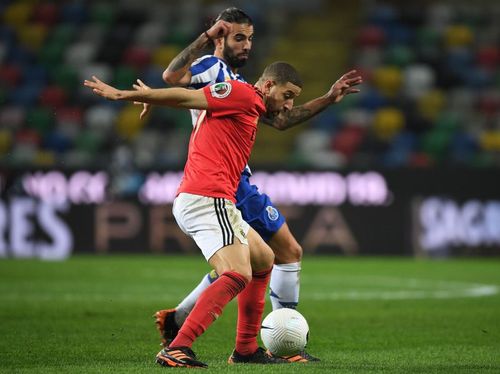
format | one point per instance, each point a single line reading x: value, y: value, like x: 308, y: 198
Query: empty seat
x: 388, y: 122
x: 12, y: 117
x: 40, y: 119
x: 46, y: 13
x: 53, y: 97
x: 81, y: 53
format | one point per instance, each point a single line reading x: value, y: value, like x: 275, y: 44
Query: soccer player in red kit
x: 204, y: 208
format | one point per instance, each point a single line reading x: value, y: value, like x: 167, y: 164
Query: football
x: 284, y: 332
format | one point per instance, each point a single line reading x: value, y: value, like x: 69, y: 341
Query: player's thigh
x: 213, y: 223
x: 261, y: 255
x: 285, y: 247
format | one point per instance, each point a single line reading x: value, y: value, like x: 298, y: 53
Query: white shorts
x: 213, y: 223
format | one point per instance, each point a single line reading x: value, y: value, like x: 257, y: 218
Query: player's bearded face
x: 237, y: 45
x: 233, y: 58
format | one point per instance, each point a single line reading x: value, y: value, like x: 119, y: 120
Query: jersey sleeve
x: 204, y: 71
x: 230, y: 97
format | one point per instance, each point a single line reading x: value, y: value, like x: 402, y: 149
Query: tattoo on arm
x: 289, y: 119
x: 184, y: 59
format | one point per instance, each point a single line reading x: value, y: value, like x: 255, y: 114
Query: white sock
x: 185, y: 306
x: 284, y: 285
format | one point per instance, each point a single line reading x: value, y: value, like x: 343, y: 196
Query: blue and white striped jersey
x: 208, y: 70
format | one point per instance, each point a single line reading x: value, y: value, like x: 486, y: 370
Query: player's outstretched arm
x: 177, y: 73
x: 344, y: 86
x: 175, y: 97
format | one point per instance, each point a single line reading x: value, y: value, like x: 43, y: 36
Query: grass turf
x: 390, y: 315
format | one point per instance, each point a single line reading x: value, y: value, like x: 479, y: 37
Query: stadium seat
x: 69, y: 114
x: 436, y: 144
x: 418, y: 79
x: 164, y: 55
x: 370, y: 36
x: 388, y: 122
x: 124, y: 77
x: 488, y: 57
x: 46, y: 14
x: 150, y: 35
x: 27, y: 136
x: 489, y: 102
x: 463, y: 148
x: 51, y: 54
x: 12, y: 117
x: 388, y: 80
x: 348, y: 140
x: 74, y: 12
x: 35, y: 75
x: 10, y: 74
x: 152, y: 76
x: 81, y: 53
x: 53, y: 97
x: 101, y: 70
x: 458, y: 36
x: 128, y: 124
x: 399, y: 55
x: 33, y: 36
x: 5, y: 141
x: 371, y: 99
x: 103, y: 13
x: 490, y: 140
x: 89, y: 141
x: 431, y: 104
x: 100, y: 118
x: 137, y: 57
x: 93, y: 33
x: 26, y: 95
x: 65, y: 76
x: 40, y: 119
x: 57, y: 141
x: 18, y: 13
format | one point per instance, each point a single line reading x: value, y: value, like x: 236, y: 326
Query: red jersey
x: 222, y: 140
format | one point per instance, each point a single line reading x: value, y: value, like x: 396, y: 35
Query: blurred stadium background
x: 410, y: 166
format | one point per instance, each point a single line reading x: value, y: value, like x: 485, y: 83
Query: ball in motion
x: 284, y: 332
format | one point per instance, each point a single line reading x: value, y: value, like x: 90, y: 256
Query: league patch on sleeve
x: 220, y: 90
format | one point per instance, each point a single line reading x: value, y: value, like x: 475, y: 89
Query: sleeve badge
x: 220, y: 90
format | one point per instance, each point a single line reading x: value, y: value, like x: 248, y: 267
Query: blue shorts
x: 257, y: 209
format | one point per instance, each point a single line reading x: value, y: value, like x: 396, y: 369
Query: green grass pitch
x: 366, y: 315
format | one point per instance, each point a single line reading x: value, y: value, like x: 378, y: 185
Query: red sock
x: 209, y: 307
x: 251, y: 303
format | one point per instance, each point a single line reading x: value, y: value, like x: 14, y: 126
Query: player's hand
x: 219, y: 29
x: 140, y: 86
x: 344, y: 86
x: 102, y: 89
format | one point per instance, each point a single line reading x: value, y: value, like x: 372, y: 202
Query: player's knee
x: 291, y: 253
x: 263, y: 259
x: 269, y: 258
x: 296, y: 252
x: 247, y: 276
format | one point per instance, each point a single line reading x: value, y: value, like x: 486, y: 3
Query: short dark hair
x: 234, y: 15
x: 282, y: 73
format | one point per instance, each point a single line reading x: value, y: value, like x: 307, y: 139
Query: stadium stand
x: 431, y: 94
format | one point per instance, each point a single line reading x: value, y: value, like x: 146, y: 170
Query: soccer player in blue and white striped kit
x: 232, y: 34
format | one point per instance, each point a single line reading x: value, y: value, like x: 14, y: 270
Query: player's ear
x: 268, y: 84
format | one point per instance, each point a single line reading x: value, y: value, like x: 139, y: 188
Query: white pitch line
x: 432, y: 290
